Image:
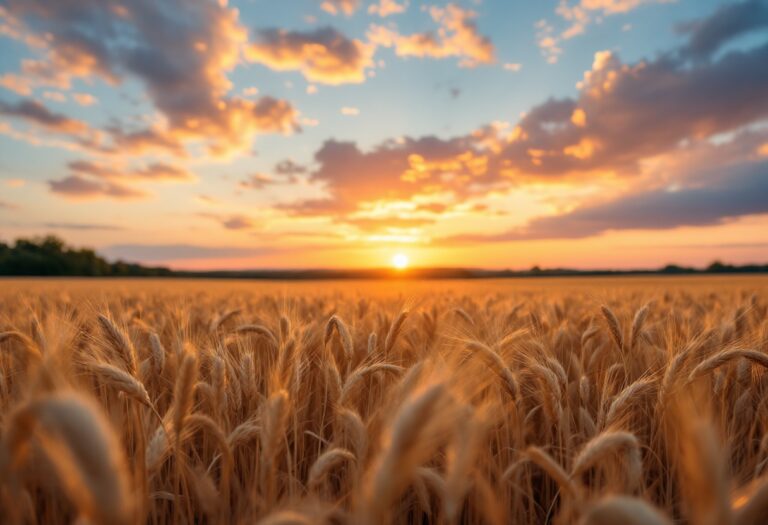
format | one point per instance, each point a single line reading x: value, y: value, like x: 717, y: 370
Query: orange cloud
x: 323, y: 55
x: 583, y: 150
x: 457, y: 36
x: 182, y: 60
x: 335, y: 7
x: 548, y: 42
x: 409, y: 171
x: 84, y: 99
x: 385, y: 8
x: 581, y: 14
x: 579, y: 117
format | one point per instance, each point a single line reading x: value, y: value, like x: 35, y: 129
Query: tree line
x: 49, y: 255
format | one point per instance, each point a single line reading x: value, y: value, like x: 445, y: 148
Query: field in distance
x: 564, y: 400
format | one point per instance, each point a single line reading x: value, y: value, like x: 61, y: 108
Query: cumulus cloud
x: 457, y: 36
x: 650, y: 128
x: 393, y: 171
x: 709, y: 34
x: 626, y: 113
x: 323, y: 55
x: 743, y: 192
x: 180, y: 50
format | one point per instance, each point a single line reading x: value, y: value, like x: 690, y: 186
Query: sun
x: 400, y: 261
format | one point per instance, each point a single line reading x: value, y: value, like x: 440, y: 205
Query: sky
x: 209, y: 134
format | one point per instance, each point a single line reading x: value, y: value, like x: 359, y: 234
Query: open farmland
x: 605, y: 400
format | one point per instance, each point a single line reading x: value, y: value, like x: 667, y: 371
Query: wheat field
x: 610, y: 400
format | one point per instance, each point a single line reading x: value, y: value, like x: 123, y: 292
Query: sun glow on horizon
x: 400, y: 261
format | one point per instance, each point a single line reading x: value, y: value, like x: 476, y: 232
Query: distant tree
x: 49, y: 255
x: 719, y: 267
x: 674, y: 268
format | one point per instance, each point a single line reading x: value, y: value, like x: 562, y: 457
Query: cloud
x: 611, y: 7
x: 548, y: 42
x: 393, y: 171
x: 169, y: 252
x: 237, y: 222
x: 231, y: 222
x: 89, y: 179
x: 513, y: 66
x: 647, y: 132
x: 36, y: 113
x: 17, y: 84
x: 744, y: 191
x: 579, y: 15
x: 181, y: 50
x: 84, y: 99
x: 336, y: 7
x: 162, y: 171
x: 323, y: 55
x: 707, y: 35
x: 457, y: 36
x: 157, y: 171
x: 78, y: 187
x: 350, y: 111
x: 385, y: 8
x: 7, y: 206
x: 141, y: 141
x: 627, y: 113
x: 289, y: 168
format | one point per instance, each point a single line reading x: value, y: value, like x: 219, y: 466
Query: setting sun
x: 400, y: 261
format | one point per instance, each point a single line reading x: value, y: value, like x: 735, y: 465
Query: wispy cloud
x: 458, y: 36
x: 336, y: 7
x: 78, y: 187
